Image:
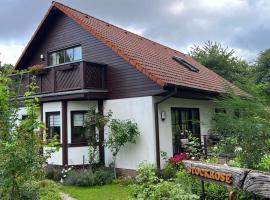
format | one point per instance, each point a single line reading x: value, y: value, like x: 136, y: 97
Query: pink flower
x: 178, y: 158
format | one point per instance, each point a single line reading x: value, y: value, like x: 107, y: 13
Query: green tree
x: 263, y: 70
x: 20, y: 143
x: 224, y: 62
x: 245, y: 127
x: 122, y: 132
x: 95, y: 120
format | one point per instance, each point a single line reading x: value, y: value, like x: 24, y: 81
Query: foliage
x: 193, y: 147
x: 53, y: 173
x: 212, y: 191
x: 20, y: 141
x: 224, y: 62
x: 95, y: 120
x: 149, y: 186
x: 49, y: 190
x: 263, y: 70
x: 86, y: 177
x: 35, y: 69
x: 122, y: 132
x: 42, y: 190
x: 265, y: 163
x: 173, y: 165
x: 238, y: 131
x: 104, y: 192
x: 169, y: 171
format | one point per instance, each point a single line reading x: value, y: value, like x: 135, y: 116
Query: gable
x: 152, y: 59
x: 123, y: 80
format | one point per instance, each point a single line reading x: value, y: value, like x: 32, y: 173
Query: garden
x: 241, y: 128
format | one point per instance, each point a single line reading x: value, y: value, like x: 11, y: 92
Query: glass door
x: 184, y: 120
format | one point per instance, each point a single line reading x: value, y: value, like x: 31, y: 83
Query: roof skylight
x: 186, y: 64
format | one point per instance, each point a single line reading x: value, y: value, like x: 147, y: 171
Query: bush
x: 49, y: 190
x: 103, y: 176
x: 169, y: 171
x: 212, y: 190
x: 43, y: 190
x: 53, y: 173
x: 80, y: 177
x: 149, y: 186
x: 84, y: 177
x: 265, y: 163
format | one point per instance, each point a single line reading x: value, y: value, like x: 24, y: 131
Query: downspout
x: 157, y: 125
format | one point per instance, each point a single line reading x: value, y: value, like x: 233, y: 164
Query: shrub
x: 212, y: 190
x: 53, y: 173
x: 43, y: 190
x: 265, y: 163
x: 84, y: 177
x: 169, y: 171
x: 149, y: 186
x: 103, y: 176
x: 80, y: 178
x: 49, y: 190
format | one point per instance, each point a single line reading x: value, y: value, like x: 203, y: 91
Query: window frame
x: 64, y: 49
x: 47, y: 115
x: 72, y: 113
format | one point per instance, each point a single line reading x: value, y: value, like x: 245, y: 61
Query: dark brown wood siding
x: 122, y: 79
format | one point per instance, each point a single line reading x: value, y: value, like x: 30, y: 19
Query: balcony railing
x: 66, y: 77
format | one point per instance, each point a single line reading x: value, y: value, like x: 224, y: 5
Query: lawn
x: 106, y: 192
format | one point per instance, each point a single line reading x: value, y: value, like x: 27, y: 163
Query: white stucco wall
x: 141, y: 110
x: 21, y: 112
x: 77, y: 155
x: 56, y: 158
x: 206, y: 108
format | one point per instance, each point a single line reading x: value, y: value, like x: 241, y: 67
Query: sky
x: 242, y: 25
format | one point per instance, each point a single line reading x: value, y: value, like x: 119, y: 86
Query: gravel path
x: 66, y: 196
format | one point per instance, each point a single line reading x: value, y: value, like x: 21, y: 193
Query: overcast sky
x: 239, y: 24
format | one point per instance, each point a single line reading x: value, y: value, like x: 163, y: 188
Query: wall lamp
x: 163, y: 115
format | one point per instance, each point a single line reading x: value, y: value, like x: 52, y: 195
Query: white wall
x: 77, y: 155
x: 206, y: 108
x: 21, y: 112
x: 56, y: 158
x: 141, y: 110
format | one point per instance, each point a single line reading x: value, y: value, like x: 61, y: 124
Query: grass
x: 106, y: 192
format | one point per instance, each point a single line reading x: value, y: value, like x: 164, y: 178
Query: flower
x: 178, y: 158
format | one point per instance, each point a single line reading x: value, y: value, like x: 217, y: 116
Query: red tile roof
x: 151, y: 58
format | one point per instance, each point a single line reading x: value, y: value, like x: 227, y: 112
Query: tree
x: 21, y: 163
x: 263, y: 70
x: 224, y: 62
x: 122, y: 132
x: 245, y: 127
x: 95, y: 120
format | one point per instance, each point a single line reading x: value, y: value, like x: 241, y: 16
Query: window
x: 65, y: 55
x: 53, y: 125
x: 79, y: 134
x: 183, y: 120
x: 186, y: 64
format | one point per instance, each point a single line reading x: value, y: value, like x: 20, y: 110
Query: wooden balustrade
x: 66, y: 77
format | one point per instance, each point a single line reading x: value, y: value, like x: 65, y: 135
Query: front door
x: 184, y: 120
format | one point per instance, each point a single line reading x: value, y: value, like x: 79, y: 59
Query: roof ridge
x: 142, y: 37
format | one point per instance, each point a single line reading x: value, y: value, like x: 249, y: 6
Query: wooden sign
x: 256, y: 182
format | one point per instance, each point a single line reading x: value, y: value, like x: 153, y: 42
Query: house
x: 88, y: 62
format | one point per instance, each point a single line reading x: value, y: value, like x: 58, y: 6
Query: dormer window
x: 65, y: 55
x: 186, y: 64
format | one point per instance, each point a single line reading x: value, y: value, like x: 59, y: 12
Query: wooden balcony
x: 66, y: 77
